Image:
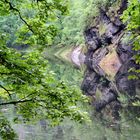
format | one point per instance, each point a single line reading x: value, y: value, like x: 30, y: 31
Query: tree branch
x: 15, y: 9
x: 16, y: 102
x: 6, y: 91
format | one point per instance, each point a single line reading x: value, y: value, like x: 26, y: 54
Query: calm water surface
x: 125, y: 129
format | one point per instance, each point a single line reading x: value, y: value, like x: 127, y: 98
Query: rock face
x: 108, y: 60
x: 111, y: 63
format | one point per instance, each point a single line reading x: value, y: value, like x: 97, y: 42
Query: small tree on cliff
x: 131, y: 17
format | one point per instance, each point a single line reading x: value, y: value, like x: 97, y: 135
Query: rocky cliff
x: 108, y: 60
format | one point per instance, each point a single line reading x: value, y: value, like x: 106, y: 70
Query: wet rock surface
x: 107, y: 54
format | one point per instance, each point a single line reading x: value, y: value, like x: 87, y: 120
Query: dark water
x: 128, y: 128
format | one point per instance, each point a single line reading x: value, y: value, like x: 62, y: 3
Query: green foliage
x: 31, y: 87
x: 81, y: 15
x: 36, y: 17
x: 71, y: 26
x: 9, y: 25
x: 26, y: 81
x: 6, y: 132
x: 131, y: 17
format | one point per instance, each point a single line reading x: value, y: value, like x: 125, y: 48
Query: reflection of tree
x: 6, y: 131
x: 65, y: 70
x: 59, y: 135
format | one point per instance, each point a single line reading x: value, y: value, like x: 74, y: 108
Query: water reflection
x: 101, y: 128
x: 70, y: 130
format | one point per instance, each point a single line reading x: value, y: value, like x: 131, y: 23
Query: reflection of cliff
x: 108, y: 60
x: 69, y: 54
x: 77, y: 57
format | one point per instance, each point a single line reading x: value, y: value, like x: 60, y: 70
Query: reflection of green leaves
x: 6, y: 131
